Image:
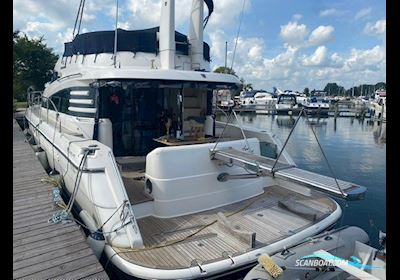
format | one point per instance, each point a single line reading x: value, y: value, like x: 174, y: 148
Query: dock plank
x: 42, y: 250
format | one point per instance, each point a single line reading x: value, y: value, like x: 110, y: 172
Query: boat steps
x: 265, y: 166
x: 135, y: 188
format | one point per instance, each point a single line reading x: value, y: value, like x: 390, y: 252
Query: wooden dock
x: 42, y: 250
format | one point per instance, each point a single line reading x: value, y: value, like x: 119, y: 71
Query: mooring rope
x: 125, y: 250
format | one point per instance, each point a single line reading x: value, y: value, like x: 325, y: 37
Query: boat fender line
x: 65, y: 215
x: 270, y: 266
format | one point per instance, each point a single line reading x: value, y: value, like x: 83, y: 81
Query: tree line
x: 33, y: 62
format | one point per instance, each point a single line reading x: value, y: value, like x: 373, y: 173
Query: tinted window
x: 61, y: 101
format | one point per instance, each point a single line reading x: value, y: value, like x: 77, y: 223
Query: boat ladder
x: 265, y: 166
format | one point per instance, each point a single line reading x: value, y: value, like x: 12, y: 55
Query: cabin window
x: 287, y: 99
x: 60, y: 100
x: 143, y: 110
x: 81, y: 102
x: 76, y: 101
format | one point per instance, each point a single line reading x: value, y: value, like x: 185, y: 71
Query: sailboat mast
x: 116, y: 34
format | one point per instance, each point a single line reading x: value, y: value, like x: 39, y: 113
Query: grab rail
x: 38, y: 96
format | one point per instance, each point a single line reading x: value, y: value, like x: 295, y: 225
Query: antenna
x: 78, y: 18
x: 116, y: 34
x: 237, y: 35
x: 226, y: 55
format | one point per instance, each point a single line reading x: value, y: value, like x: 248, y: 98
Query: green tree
x: 306, y: 91
x: 333, y: 89
x: 226, y: 70
x: 243, y: 87
x: 33, y: 62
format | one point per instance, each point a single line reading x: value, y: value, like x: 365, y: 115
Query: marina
x: 137, y: 161
x: 342, y: 108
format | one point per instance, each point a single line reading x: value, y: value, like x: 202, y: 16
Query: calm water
x: 356, y: 151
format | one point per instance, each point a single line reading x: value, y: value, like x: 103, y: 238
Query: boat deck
x: 42, y: 250
x: 213, y: 235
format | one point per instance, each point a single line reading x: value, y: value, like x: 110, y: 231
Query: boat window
x: 287, y: 99
x: 60, y: 100
x: 76, y: 101
x: 144, y: 110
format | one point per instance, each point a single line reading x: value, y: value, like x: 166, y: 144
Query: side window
x: 61, y: 101
x: 44, y: 103
x: 56, y: 101
x: 64, y: 101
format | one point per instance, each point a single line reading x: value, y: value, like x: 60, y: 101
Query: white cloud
x: 293, y: 33
x: 226, y: 13
x: 336, y: 60
x: 317, y: 58
x: 376, y: 28
x: 363, y: 13
x: 217, y: 44
x: 321, y: 35
x: 297, y: 17
x: 331, y: 12
x: 124, y: 25
x: 34, y: 27
x: 362, y: 59
x: 145, y: 12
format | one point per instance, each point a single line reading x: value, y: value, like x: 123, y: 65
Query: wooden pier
x: 42, y: 250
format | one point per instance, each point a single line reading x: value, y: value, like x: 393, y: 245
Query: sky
x: 289, y: 44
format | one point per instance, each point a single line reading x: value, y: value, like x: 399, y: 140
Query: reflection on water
x: 287, y: 121
x: 356, y: 150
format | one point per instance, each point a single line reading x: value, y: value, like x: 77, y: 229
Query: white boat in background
x: 265, y: 102
x: 224, y: 99
x: 175, y: 193
x: 247, y: 100
x: 317, y: 106
x: 287, y: 104
x: 377, y: 107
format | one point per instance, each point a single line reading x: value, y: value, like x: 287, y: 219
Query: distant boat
x: 265, y: 102
x: 247, y: 99
x: 286, y: 104
x: 316, y: 106
x: 377, y: 107
x: 224, y: 99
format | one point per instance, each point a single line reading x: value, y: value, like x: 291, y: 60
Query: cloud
x: 362, y: 13
x: 336, y: 60
x: 37, y: 27
x: 226, y: 13
x: 331, y: 12
x: 377, y: 28
x: 293, y: 33
x: 217, y: 44
x: 321, y: 35
x: 317, y: 58
x: 297, y: 17
x: 370, y: 58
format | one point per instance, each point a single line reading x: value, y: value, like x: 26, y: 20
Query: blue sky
x: 288, y: 44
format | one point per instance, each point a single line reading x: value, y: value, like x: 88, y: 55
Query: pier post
x: 336, y: 109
